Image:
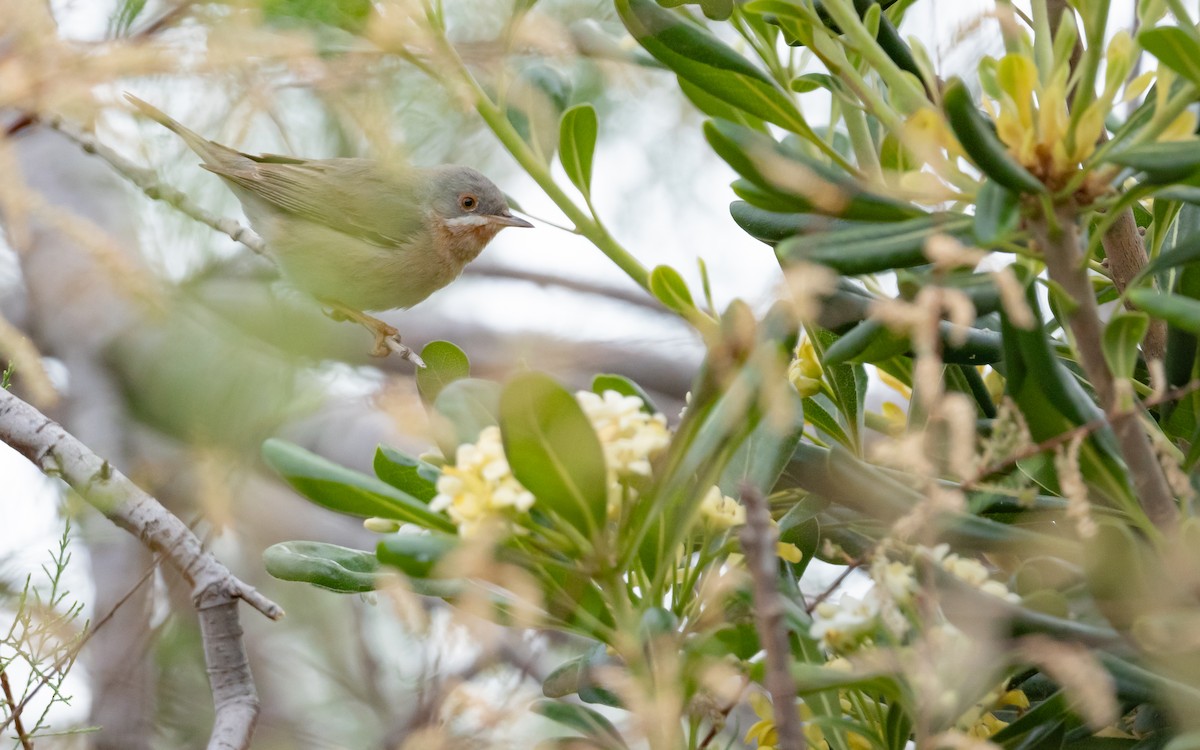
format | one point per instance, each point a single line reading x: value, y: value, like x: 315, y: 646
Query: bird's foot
x: 387, y: 338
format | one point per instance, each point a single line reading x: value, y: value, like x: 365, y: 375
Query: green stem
x: 1089, y: 65
x: 587, y: 225
x: 902, y: 84
x: 863, y: 143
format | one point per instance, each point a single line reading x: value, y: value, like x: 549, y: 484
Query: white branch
x: 215, y: 590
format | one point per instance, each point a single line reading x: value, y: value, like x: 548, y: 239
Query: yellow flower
x: 789, y: 552
x: 804, y: 372
x: 480, y: 486
x: 630, y: 436
x: 719, y: 512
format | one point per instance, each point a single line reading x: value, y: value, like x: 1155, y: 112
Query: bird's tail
x: 212, y: 153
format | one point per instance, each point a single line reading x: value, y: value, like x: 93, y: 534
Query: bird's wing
x: 354, y: 196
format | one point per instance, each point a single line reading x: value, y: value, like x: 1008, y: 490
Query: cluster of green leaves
x: 829, y: 195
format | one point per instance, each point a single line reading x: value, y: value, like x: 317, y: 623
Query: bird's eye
x: 468, y: 202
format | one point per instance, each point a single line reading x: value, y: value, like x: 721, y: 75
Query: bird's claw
x: 387, y: 338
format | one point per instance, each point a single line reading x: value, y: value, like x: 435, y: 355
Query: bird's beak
x: 508, y: 220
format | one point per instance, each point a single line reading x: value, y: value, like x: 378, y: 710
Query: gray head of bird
x: 469, y: 204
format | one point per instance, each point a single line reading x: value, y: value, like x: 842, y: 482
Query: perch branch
x: 215, y: 590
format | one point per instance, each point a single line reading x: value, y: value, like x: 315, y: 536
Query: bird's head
x: 469, y: 205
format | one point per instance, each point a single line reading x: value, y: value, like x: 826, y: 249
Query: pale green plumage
x: 355, y: 231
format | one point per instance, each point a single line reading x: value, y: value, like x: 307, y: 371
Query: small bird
x: 357, y: 234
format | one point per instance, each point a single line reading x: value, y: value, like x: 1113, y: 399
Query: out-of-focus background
x: 173, y: 352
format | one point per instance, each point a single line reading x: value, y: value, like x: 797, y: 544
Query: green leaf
x: 869, y: 341
x: 406, y: 473
x: 124, y: 16
x: 853, y: 248
x: 350, y: 15
x: 762, y: 456
x: 588, y: 722
x: 1125, y: 330
x: 1177, y: 310
x: 1184, y: 251
x: 577, y: 677
x: 1174, y: 48
x: 554, y: 451
x: 997, y: 212
x: 670, y: 289
x: 444, y: 364
x: 717, y: 10
x: 714, y: 107
x: 897, y: 727
x: 461, y: 410
x: 1166, y: 162
x: 783, y: 170
x: 1035, y: 725
x: 326, y: 566
x: 820, y: 417
x: 772, y: 227
x: 979, y: 140
x: 335, y: 487
x: 713, y: 66
x: 624, y: 386
x: 577, y: 144
x: 414, y: 554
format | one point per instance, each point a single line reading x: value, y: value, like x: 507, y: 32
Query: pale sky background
x: 670, y: 229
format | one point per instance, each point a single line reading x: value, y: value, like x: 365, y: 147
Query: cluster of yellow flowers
x: 480, y: 489
x: 848, y: 623
x: 630, y: 436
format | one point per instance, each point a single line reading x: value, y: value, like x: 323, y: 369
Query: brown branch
x: 15, y: 712
x: 1123, y: 244
x: 1126, y: 254
x: 1058, y: 238
x: 759, y: 537
x: 828, y: 592
x: 215, y: 590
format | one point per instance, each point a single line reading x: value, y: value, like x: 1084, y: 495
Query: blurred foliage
x: 1017, y: 551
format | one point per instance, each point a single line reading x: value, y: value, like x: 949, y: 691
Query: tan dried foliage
x: 1088, y: 685
x: 16, y: 348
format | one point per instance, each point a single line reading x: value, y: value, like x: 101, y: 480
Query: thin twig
x: 759, y: 537
x: 15, y: 712
x: 837, y: 582
x: 147, y: 181
x: 403, y: 351
x: 1082, y: 430
x: 215, y: 590
x: 100, y: 622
